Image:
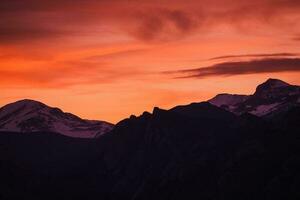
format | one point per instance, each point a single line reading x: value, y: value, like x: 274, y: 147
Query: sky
x: 108, y: 59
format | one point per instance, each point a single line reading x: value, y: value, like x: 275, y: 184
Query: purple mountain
x: 33, y: 116
x: 269, y: 98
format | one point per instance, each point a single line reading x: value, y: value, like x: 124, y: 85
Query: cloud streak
x: 255, y: 55
x: 66, y: 74
x: 296, y: 38
x: 266, y: 65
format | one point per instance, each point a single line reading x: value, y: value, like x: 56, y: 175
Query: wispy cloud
x: 66, y: 74
x: 296, y: 38
x: 266, y: 65
x: 117, y: 54
x: 164, y: 24
x: 255, y: 55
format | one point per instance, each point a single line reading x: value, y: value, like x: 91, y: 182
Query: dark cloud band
x: 266, y: 65
x: 255, y: 55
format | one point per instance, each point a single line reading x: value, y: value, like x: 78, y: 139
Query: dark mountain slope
x: 180, y: 155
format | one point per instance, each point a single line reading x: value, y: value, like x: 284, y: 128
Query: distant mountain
x: 271, y: 97
x: 33, y: 116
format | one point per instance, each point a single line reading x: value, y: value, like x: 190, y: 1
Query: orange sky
x: 112, y: 58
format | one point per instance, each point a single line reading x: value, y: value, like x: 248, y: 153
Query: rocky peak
x: 270, y: 85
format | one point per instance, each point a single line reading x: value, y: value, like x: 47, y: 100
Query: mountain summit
x: 32, y: 116
x: 272, y: 82
x: 271, y: 86
x: 270, y: 97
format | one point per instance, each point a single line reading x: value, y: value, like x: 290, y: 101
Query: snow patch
x: 264, y: 109
x: 227, y: 99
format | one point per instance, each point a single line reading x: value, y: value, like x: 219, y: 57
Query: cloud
x: 45, y: 5
x: 10, y: 34
x: 266, y: 65
x: 65, y: 74
x: 117, y: 54
x: 255, y: 55
x: 164, y: 24
x: 26, y: 21
x: 144, y: 20
x: 296, y: 38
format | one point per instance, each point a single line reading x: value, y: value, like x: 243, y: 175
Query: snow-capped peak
x: 31, y: 116
x: 21, y: 106
x: 270, y: 96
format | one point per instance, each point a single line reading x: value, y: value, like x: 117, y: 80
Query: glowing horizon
x: 109, y: 59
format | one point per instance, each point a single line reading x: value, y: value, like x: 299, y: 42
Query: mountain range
x: 26, y: 115
x: 232, y: 147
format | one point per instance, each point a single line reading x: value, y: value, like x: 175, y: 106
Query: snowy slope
x: 271, y: 96
x: 31, y: 116
x: 228, y: 100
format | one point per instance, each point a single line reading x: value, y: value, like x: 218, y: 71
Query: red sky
x: 108, y: 59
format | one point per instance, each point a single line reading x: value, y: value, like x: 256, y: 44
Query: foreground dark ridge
x: 197, y: 151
